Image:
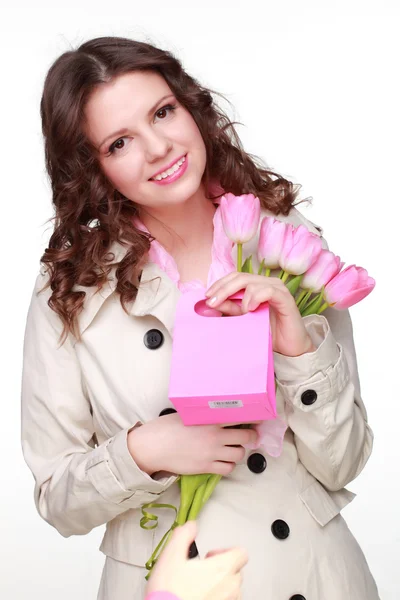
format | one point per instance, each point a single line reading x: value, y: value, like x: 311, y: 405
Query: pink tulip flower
x: 272, y: 234
x: 349, y: 287
x: 240, y: 216
x: 300, y: 250
x: 321, y: 271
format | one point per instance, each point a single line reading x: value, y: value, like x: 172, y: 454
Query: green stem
x: 210, y: 487
x: 281, y: 274
x: 189, y: 485
x: 239, y: 257
x: 197, y: 502
x: 261, y: 267
x: 300, y: 297
x: 267, y: 272
x: 184, y: 508
x: 313, y: 306
x: 322, y: 308
x: 285, y: 276
x: 304, y: 301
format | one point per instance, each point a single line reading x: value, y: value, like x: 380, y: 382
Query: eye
x: 163, y: 112
x: 117, y: 145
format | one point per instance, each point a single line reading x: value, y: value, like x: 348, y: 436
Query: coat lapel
x: 157, y: 295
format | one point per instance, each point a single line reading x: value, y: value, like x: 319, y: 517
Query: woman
x: 138, y: 154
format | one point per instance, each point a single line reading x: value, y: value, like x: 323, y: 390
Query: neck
x: 184, y: 228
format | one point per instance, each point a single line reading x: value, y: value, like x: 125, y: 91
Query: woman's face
x: 149, y: 146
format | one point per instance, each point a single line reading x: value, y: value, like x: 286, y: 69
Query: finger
x: 238, y: 425
x: 231, y: 454
x: 228, y: 288
x: 229, y: 588
x: 276, y: 296
x: 216, y: 551
x: 238, y: 437
x: 249, y: 283
x: 221, y: 282
x: 219, y: 467
x: 240, y: 281
x: 230, y: 308
x: 231, y: 561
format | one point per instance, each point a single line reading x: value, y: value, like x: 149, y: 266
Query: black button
x: 297, y: 597
x: 280, y: 529
x: 167, y: 411
x: 256, y: 463
x: 153, y: 339
x: 193, y: 552
x: 309, y: 397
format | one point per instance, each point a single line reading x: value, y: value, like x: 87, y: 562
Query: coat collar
x: 157, y: 295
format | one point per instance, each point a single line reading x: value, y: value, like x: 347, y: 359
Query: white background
x: 314, y: 83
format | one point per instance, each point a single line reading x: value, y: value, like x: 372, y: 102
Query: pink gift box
x: 222, y: 367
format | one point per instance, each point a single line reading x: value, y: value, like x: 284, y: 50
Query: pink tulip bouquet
x: 313, y: 275
x: 316, y: 279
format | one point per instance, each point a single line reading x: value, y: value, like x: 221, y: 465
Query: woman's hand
x: 216, y: 577
x: 166, y: 444
x: 289, y: 335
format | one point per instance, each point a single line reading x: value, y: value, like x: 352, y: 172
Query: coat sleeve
x: 78, y: 484
x: 323, y: 402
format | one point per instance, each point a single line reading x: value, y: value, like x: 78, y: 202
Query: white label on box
x: 226, y: 404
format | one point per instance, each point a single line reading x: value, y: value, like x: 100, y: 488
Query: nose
x: 156, y: 145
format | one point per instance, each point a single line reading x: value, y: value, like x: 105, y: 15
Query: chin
x: 179, y: 194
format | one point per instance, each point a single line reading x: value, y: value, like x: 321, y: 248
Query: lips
x: 169, y: 170
x: 165, y: 178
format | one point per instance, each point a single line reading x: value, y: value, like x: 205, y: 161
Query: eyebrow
x: 121, y: 132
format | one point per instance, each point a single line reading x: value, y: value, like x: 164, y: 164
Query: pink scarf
x: 221, y: 257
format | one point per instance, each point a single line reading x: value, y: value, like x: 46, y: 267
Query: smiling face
x: 148, y: 145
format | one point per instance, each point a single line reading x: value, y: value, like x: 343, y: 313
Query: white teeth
x: 171, y: 170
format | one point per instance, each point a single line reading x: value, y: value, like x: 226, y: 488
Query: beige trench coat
x: 80, y: 400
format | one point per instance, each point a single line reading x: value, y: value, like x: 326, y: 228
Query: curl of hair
x: 89, y: 214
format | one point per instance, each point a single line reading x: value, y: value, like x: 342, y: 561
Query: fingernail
x: 212, y: 301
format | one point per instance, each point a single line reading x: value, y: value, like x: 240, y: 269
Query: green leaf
x: 294, y: 284
x: 313, y: 307
x: 251, y: 264
x: 245, y: 266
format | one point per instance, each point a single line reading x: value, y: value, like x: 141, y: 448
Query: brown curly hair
x: 89, y: 214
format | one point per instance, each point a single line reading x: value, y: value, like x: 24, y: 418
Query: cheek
x: 190, y: 134
x: 122, y: 172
